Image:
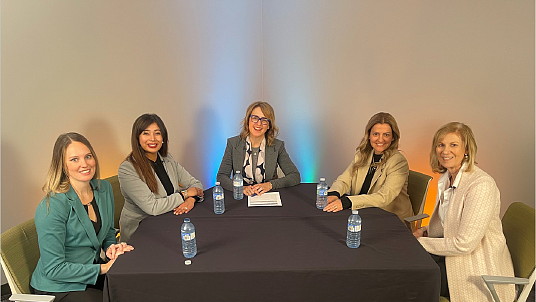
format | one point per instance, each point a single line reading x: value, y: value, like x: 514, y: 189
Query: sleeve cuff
x: 346, y: 203
x: 334, y: 193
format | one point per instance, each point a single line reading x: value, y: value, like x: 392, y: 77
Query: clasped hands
x: 258, y: 189
x: 112, y: 252
x: 189, y: 201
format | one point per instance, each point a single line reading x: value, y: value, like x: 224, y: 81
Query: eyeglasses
x: 255, y: 119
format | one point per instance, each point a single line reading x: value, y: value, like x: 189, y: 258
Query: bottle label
x: 218, y: 197
x: 188, y: 237
x: 354, y: 228
x: 237, y: 183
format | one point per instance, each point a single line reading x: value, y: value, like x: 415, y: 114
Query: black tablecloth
x: 290, y: 253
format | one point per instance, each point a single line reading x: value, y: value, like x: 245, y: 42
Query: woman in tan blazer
x: 378, y: 174
x: 465, y: 232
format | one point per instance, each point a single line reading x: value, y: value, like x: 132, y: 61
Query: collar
x: 446, y: 176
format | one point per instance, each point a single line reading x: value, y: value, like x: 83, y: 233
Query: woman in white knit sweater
x: 465, y: 234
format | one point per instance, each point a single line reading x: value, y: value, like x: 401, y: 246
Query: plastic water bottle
x: 238, y: 186
x: 189, y: 245
x: 218, y: 196
x: 321, y: 193
x: 353, y: 233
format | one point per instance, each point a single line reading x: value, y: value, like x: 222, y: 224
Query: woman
x: 74, y: 222
x: 152, y: 182
x: 378, y: 174
x: 465, y: 232
x: 257, y: 154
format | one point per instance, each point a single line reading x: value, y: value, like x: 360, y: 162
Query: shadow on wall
x: 103, y: 137
x: 204, y: 150
x: 21, y: 181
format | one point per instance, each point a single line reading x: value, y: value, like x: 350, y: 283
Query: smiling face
x: 258, y: 129
x: 150, y: 140
x: 450, y: 152
x: 79, y: 163
x: 380, y: 137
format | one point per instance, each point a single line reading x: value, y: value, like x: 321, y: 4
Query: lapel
x: 361, y: 174
x: 170, y: 170
x: 82, y: 215
x: 270, y: 162
x: 239, y: 153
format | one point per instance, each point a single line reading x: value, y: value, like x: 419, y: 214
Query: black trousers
x: 440, y: 260
x: 93, y: 293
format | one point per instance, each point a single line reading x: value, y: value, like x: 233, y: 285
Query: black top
x: 346, y: 202
x: 96, y: 224
x: 158, y: 167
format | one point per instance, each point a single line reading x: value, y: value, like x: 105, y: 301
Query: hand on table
x: 260, y: 189
x: 115, y: 250
x: 194, y: 191
x: 185, y: 207
x: 333, y: 205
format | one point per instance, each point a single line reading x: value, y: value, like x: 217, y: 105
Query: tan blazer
x: 388, y: 189
x: 472, y: 239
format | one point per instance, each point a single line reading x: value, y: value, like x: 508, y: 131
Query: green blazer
x: 69, y: 248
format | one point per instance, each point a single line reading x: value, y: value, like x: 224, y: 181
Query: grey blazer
x: 140, y: 202
x: 276, y: 155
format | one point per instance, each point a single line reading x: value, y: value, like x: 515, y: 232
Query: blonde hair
x: 57, y: 180
x: 468, y: 141
x: 365, y: 148
x: 269, y: 113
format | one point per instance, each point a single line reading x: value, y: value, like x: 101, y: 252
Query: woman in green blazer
x: 74, y: 223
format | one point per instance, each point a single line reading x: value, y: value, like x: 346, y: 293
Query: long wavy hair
x: 57, y: 180
x: 137, y: 156
x: 365, y: 148
x: 468, y: 141
x: 269, y: 112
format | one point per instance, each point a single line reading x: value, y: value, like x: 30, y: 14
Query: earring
x: 466, y: 156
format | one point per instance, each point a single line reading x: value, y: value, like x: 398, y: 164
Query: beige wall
x: 326, y: 66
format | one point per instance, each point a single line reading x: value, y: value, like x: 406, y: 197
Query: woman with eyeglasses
x: 257, y: 154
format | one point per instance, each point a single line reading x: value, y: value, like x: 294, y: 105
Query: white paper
x: 270, y: 199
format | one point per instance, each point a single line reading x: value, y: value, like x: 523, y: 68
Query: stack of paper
x: 270, y: 199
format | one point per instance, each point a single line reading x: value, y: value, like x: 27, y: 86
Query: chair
x: 119, y: 200
x: 518, y: 228
x: 417, y: 190
x: 19, y: 253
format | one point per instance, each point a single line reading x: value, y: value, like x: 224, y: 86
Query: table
x: 290, y: 253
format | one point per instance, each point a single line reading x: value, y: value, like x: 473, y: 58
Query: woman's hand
x: 333, y: 206
x: 260, y: 189
x: 249, y: 191
x: 104, y: 268
x: 115, y: 250
x: 421, y: 232
x: 332, y: 199
x: 194, y: 191
x: 185, y: 207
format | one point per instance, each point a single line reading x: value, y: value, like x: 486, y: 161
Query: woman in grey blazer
x: 256, y: 153
x: 152, y: 182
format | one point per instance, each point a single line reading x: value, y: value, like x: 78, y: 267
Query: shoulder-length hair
x: 468, y: 141
x: 365, y: 148
x: 57, y: 180
x: 137, y: 156
x: 269, y: 113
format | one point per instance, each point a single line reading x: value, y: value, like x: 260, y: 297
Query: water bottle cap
x: 237, y: 172
x: 217, y: 183
x: 186, y: 219
x: 355, y: 212
x: 322, y: 179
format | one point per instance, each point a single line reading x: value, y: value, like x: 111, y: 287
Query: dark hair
x: 57, y: 180
x: 137, y: 156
